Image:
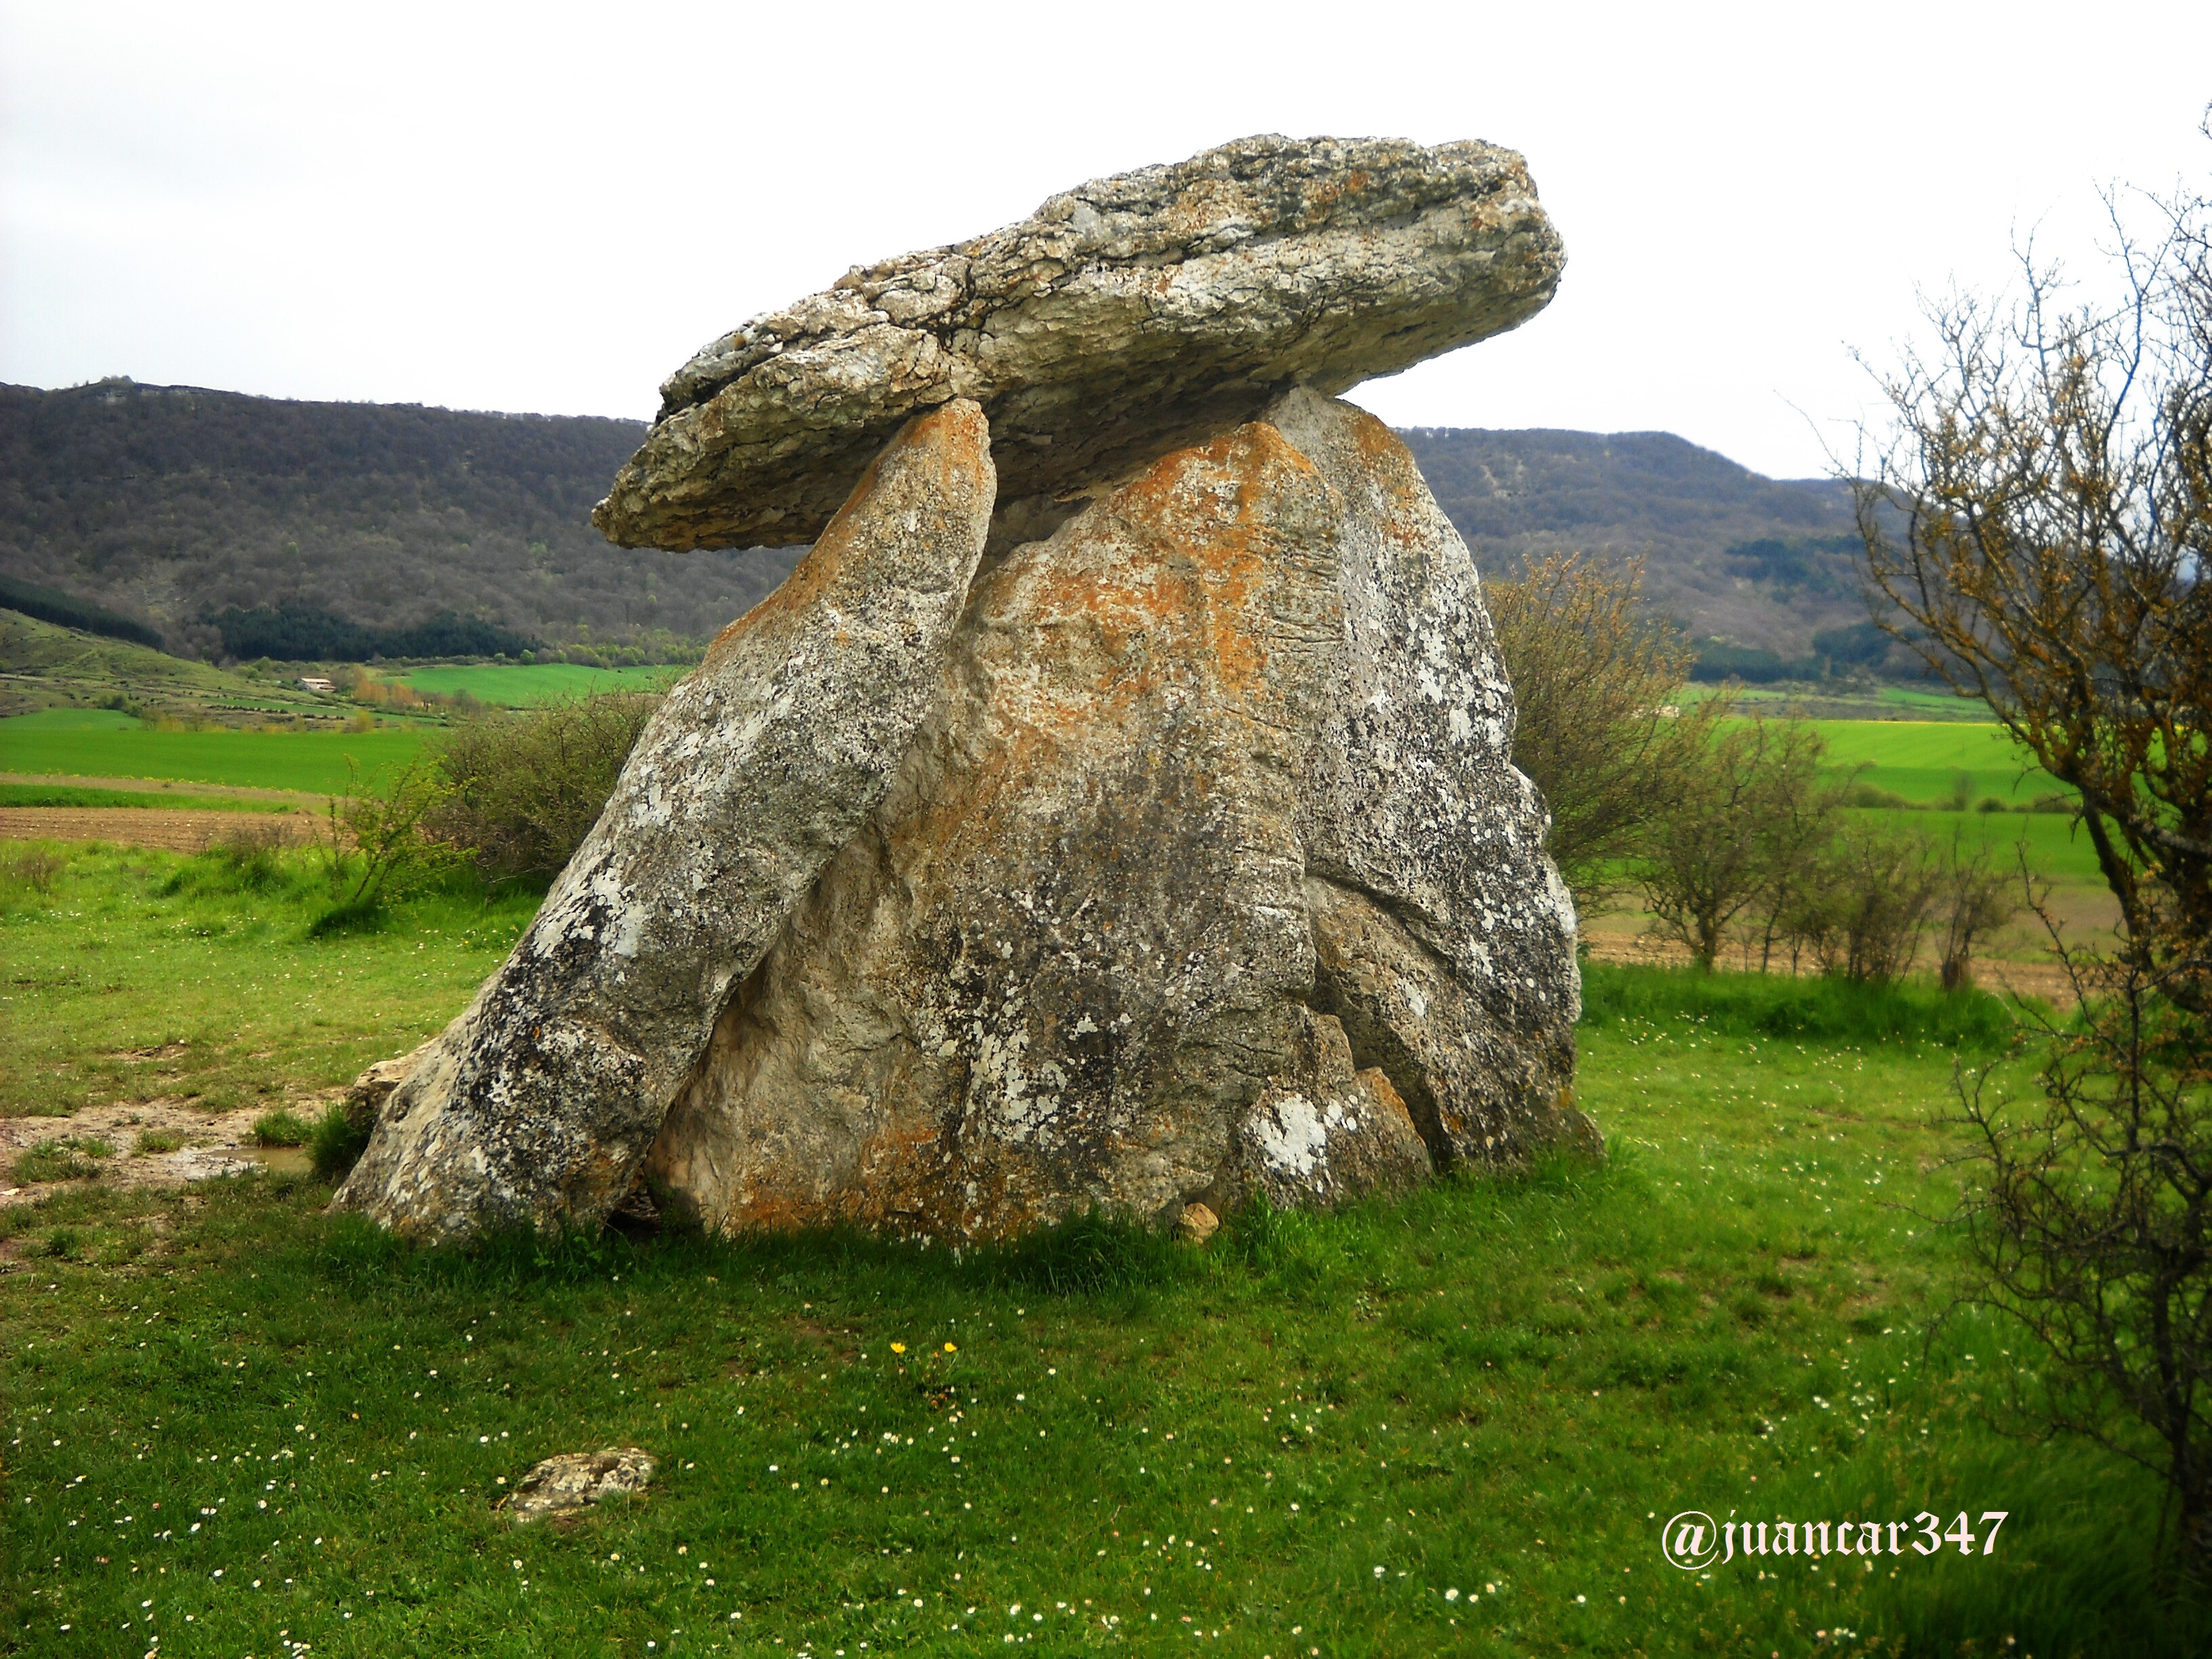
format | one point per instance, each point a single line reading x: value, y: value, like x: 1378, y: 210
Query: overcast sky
x: 549, y: 208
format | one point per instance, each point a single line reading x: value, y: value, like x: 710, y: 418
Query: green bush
x: 335, y: 1144
x: 521, y: 790
x: 1828, y: 1009
x: 1867, y: 797
x: 349, y: 916
x: 250, y: 855
x: 157, y: 1140
x: 282, y: 1128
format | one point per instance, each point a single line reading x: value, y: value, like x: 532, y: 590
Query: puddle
x: 284, y: 1160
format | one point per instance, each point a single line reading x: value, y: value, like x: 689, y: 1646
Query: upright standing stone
x: 1445, y: 940
x: 538, y: 1103
x: 1068, y: 958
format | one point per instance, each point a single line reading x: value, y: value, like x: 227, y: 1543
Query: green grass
x: 520, y: 686
x: 334, y: 1143
x: 67, y: 795
x: 1496, y: 1386
x: 1820, y: 1009
x: 74, y: 719
x: 2054, y: 846
x: 314, y: 762
x: 1921, y: 760
x: 63, y: 673
x: 70, y: 1157
x: 143, y: 974
x: 282, y: 1128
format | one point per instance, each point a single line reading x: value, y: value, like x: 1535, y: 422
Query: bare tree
x: 1731, y: 830
x: 1865, y: 901
x: 1595, y: 680
x: 1974, y: 898
x: 2039, y: 531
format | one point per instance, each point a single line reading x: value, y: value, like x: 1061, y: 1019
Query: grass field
x: 522, y: 686
x: 1450, y: 1424
x: 67, y: 743
x: 145, y: 974
x: 65, y: 794
x: 1844, y: 700
x: 1923, y: 761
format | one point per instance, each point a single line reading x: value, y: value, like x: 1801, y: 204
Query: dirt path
x: 132, y: 826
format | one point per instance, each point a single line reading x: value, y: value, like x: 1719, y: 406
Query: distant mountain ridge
x: 1730, y: 555
x: 221, y: 519
x: 179, y: 505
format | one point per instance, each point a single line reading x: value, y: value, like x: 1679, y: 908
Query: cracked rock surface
x: 1445, y: 937
x: 1126, y: 318
x: 1211, y: 878
x: 538, y: 1104
x: 1069, y: 950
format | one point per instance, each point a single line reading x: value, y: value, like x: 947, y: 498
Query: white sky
x: 549, y: 208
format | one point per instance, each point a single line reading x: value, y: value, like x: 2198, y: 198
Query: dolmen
x: 1112, y: 812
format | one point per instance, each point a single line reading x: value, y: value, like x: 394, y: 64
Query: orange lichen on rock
x: 1069, y: 952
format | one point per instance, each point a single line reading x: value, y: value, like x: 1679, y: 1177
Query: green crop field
x: 2054, y: 846
x: 93, y: 743
x: 1450, y: 1423
x: 512, y: 686
x: 64, y: 794
x: 1921, y: 760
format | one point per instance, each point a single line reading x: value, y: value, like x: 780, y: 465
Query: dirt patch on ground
x: 206, y: 1144
x: 131, y: 826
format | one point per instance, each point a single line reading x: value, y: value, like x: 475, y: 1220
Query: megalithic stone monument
x: 1115, y: 810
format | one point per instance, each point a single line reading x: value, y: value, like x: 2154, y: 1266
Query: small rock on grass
x: 573, y: 1481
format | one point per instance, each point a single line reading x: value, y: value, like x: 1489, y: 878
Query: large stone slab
x: 1066, y: 965
x: 537, y: 1105
x: 1445, y: 937
x: 1126, y: 318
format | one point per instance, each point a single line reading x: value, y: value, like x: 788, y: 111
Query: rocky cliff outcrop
x: 1165, y: 859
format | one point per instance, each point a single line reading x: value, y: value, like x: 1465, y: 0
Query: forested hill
x: 252, y: 526
x: 188, y: 508
x: 1728, y: 554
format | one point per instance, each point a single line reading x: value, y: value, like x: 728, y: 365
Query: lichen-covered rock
x: 1126, y: 318
x: 364, y: 1098
x: 538, y: 1104
x: 572, y: 1482
x: 1329, y: 1131
x: 1445, y: 940
x: 1069, y: 954
x: 1211, y: 878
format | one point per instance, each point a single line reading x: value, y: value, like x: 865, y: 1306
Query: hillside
x: 1728, y: 554
x: 249, y: 527
x: 43, y: 666
x: 177, y: 505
